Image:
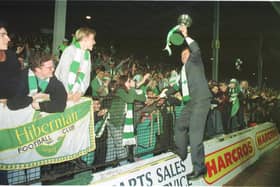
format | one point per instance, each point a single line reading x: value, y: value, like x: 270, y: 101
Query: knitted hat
x: 174, y: 77
x: 233, y: 81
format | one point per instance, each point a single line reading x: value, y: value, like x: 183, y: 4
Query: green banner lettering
x: 30, y: 132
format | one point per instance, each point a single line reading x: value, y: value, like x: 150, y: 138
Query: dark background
x: 140, y: 28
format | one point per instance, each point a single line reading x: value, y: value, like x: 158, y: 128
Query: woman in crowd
x: 121, y: 129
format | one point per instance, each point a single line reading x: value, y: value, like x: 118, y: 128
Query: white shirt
x: 63, y: 69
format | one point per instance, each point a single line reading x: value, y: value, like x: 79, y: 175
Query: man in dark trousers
x: 189, y: 127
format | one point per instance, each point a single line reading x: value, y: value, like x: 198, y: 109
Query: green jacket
x: 118, y: 107
x: 97, y: 88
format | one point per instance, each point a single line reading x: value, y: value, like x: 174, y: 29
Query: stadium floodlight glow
x: 88, y: 17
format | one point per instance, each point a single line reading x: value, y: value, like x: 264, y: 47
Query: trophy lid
x: 184, y: 19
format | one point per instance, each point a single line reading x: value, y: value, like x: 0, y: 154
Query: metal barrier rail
x: 154, y: 133
x: 154, y: 136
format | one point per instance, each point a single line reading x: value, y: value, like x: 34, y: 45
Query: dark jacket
x: 198, y: 88
x: 9, y: 75
x: 55, y: 89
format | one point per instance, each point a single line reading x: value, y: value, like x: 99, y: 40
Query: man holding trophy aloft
x: 190, y: 126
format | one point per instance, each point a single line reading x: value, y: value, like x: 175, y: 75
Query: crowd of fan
x: 25, y: 45
x: 256, y: 105
x: 234, y: 106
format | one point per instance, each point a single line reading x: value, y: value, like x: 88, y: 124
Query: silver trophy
x: 173, y: 36
x: 185, y: 19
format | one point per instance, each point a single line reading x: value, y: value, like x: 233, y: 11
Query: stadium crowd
x: 116, y: 81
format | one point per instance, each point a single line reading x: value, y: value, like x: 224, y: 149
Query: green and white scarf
x: 235, y: 101
x: 168, y: 43
x: 128, y: 130
x: 33, y: 84
x: 99, y: 127
x: 78, y: 68
x: 185, y: 86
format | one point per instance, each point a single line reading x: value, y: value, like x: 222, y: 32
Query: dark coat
x: 56, y: 90
x: 198, y: 87
x: 9, y: 75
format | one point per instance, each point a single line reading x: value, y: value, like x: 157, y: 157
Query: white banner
x: 30, y: 139
x: 164, y: 170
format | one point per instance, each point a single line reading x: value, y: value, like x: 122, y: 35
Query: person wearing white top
x: 74, y: 67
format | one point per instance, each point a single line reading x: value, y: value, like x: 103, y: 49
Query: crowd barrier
x: 31, y: 139
x: 225, y: 157
x: 154, y: 139
x: 43, y: 145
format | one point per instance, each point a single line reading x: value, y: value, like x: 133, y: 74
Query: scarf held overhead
x: 78, y: 68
